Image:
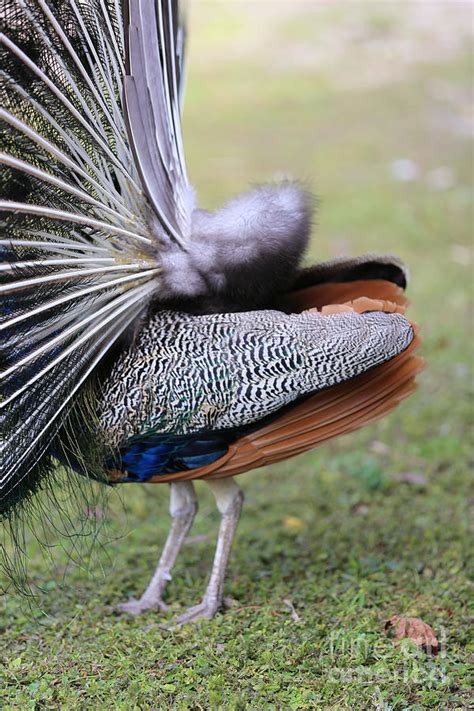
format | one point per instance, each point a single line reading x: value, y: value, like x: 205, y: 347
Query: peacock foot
x: 136, y: 607
x: 206, y: 610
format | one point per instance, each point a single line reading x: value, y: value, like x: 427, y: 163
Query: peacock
x: 144, y: 339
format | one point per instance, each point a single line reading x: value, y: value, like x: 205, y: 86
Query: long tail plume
x: 77, y: 263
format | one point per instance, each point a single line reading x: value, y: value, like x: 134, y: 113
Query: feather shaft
x: 120, y: 326
x: 64, y: 100
x: 62, y: 157
x: 121, y: 281
x: 76, y: 218
x: 118, y: 305
x: 66, y: 275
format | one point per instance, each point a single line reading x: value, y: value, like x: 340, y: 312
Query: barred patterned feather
x: 199, y: 374
x: 78, y: 262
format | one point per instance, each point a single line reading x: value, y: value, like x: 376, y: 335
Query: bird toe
x: 205, y: 610
x: 136, y: 607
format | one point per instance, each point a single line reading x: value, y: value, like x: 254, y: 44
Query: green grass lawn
x: 334, y: 94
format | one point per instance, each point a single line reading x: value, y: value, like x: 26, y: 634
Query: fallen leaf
x: 293, y: 522
x: 294, y: 615
x: 410, y: 478
x: 416, y: 630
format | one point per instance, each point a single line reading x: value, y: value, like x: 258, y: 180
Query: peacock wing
x: 237, y: 371
x: 331, y: 412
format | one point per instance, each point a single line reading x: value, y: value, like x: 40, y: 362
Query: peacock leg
x: 229, y: 499
x: 183, y: 507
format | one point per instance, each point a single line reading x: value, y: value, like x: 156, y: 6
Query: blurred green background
x: 369, y: 103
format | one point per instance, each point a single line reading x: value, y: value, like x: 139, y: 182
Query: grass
x: 332, y: 532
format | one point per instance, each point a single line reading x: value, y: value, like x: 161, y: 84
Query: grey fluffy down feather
x: 241, y: 256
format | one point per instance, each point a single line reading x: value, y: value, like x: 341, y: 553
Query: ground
x: 369, y: 103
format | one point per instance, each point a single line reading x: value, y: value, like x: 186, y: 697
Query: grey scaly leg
x: 183, y: 507
x: 229, y: 499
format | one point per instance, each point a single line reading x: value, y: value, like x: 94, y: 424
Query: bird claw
x: 205, y: 610
x: 136, y: 607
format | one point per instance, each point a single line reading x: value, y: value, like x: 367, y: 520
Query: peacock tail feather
x: 78, y: 262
